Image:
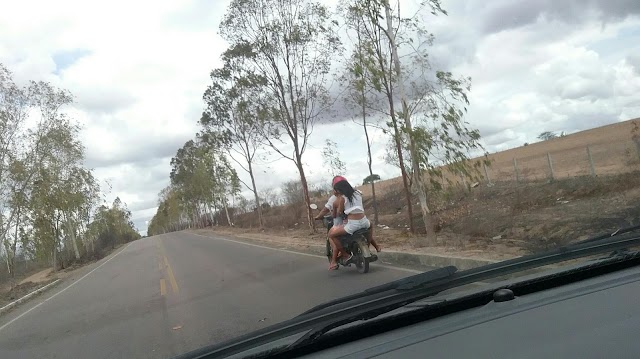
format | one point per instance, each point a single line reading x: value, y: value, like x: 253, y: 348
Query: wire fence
x: 584, y: 160
x: 542, y: 161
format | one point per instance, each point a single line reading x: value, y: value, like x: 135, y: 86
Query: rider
x: 350, y: 203
x: 329, y: 206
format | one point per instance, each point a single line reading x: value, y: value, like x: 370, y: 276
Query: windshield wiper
x: 423, y: 279
x: 383, y: 304
x: 408, y: 283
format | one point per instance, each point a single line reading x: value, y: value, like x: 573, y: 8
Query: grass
x: 534, y: 214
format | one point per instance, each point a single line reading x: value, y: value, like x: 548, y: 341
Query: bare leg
x: 371, y: 240
x: 334, y: 237
x: 334, y: 254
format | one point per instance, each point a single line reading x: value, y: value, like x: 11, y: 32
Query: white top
x: 330, y: 202
x: 338, y: 220
x: 354, y: 207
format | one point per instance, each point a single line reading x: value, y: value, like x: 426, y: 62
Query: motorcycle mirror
x: 313, y: 206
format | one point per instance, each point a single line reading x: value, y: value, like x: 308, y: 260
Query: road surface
x: 162, y: 296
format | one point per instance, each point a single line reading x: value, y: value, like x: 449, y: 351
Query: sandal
x: 335, y: 267
x: 348, y: 260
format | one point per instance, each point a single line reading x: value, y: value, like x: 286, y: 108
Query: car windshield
x: 176, y: 174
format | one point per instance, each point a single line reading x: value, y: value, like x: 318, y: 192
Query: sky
x: 138, y: 71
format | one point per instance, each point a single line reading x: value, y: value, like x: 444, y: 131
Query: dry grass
x: 509, y: 217
x: 612, y: 149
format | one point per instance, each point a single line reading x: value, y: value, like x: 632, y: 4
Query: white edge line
x: 39, y: 290
x: 67, y: 287
x: 294, y: 252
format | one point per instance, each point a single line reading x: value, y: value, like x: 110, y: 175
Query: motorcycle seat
x: 359, y: 232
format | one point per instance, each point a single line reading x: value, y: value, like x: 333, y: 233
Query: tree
x: 112, y: 226
x: 81, y: 195
x: 232, y: 113
x: 428, y: 128
x: 29, y: 153
x: 375, y: 54
x: 290, y: 43
x: 425, y: 107
x: 203, y: 178
x: 269, y: 195
x: 55, y: 195
x: 48, y: 198
x: 292, y: 192
x: 547, y: 135
x: 169, y: 212
x: 331, y: 156
x: 356, y: 78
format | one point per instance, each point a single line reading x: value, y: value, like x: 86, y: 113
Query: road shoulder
x: 63, y: 282
x: 417, y: 261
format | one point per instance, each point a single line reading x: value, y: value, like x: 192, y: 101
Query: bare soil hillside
x: 612, y: 147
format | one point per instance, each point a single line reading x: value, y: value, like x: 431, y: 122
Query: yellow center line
x: 163, y: 287
x: 172, y: 278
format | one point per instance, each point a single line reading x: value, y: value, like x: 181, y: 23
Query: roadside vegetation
x: 52, y: 212
x: 278, y: 81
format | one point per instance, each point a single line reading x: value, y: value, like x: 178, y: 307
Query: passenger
x: 349, y: 204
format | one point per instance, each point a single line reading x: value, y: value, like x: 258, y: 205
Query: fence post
x: 591, y: 166
x: 515, y: 167
x: 550, y: 165
x: 486, y: 173
x: 464, y: 182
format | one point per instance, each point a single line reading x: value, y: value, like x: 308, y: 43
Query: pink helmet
x: 337, y: 179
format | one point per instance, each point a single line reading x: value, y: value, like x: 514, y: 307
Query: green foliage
x: 234, y: 115
x: 201, y: 178
x: 547, y: 135
x: 168, y: 213
x: 371, y: 179
x: 331, y: 156
x: 426, y: 126
x: 47, y: 196
x: 291, y: 45
x: 112, y: 226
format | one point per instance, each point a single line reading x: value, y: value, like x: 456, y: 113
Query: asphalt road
x: 162, y: 296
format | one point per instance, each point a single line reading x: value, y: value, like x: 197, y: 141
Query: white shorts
x: 353, y: 225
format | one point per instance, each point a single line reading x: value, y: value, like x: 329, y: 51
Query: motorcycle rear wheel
x: 362, y: 263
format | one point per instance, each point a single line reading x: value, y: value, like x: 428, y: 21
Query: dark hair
x: 345, y: 188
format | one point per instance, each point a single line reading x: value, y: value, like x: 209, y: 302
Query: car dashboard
x: 593, y: 318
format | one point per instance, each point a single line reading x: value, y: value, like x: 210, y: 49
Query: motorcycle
x: 356, y: 244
